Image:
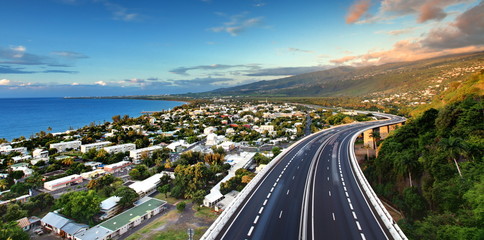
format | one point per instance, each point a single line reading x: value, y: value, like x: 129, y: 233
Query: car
x: 39, y: 231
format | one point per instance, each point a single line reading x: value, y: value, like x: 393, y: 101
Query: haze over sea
x: 27, y: 116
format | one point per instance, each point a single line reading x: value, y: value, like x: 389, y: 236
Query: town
x: 103, y: 181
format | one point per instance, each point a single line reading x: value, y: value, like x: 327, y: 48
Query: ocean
x: 27, y: 116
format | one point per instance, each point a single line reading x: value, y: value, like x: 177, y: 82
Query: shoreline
x: 142, y: 97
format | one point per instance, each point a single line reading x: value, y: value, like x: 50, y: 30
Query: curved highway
x: 311, y: 193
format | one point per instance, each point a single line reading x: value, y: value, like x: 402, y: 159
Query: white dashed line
x: 272, y: 189
x: 287, y: 192
x: 354, y: 215
x: 328, y: 178
x: 293, y: 177
x: 358, y: 225
x: 275, y: 184
x: 347, y: 194
x: 363, y: 236
x: 265, y: 202
x: 256, y: 219
x: 329, y: 192
x: 280, y: 214
x: 343, y: 183
x: 261, y: 209
x: 297, y: 167
x: 345, y: 189
x: 269, y: 195
x: 327, y: 168
x: 351, y: 206
x: 250, y: 231
x: 334, y: 219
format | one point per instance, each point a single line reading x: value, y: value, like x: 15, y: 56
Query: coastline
x: 185, y: 100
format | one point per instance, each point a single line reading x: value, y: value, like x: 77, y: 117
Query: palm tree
x: 405, y: 163
x: 68, y: 161
x: 3, y: 184
x: 375, y: 136
x: 455, y: 147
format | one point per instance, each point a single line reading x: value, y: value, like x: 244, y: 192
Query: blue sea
x: 27, y: 116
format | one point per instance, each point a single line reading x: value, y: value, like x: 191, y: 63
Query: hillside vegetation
x: 432, y: 168
x: 370, y: 81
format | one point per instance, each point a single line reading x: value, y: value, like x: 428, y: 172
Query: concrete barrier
x: 381, y: 212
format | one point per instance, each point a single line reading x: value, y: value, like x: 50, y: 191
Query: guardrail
x: 222, y: 220
x: 381, y: 211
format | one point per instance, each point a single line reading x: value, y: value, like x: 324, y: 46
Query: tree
x: 198, y: 196
x: 405, y: 163
x: 181, y: 206
x: 164, y: 189
x: 375, y: 136
x: 81, y: 206
x: 14, y: 212
x: 276, y: 151
x: 455, y: 147
x: 4, y: 184
x: 67, y: 161
x: 128, y: 196
x: 11, y: 231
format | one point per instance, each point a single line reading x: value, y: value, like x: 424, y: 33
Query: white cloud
x: 4, y: 82
x: 102, y: 83
x: 237, y: 24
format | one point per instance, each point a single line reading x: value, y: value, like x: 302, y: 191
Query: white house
x: 120, y: 148
x: 109, y: 207
x: 137, y: 154
x: 63, y: 146
x: 98, y: 145
x: 116, y: 167
x: 40, y: 153
x: 63, y: 182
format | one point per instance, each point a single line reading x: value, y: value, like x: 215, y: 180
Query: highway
x: 311, y: 193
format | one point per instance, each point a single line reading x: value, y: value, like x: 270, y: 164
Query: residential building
x: 98, y: 145
x: 62, y: 226
x: 147, y: 186
x: 92, y: 174
x: 93, y: 165
x: 116, y: 167
x: 24, y: 167
x: 40, y: 153
x: 145, y: 209
x: 63, y: 182
x: 21, y: 158
x: 120, y: 148
x: 63, y: 146
x: 268, y: 128
x: 109, y: 207
x: 138, y: 153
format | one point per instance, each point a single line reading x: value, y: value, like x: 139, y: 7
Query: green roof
x: 131, y: 214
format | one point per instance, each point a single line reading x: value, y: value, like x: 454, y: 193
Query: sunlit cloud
x: 237, y: 24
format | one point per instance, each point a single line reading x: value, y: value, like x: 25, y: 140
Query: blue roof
x: 55, y: 220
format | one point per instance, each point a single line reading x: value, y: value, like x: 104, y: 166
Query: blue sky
x: 128, y: 47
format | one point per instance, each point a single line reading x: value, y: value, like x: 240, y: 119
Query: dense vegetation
x: 432, y: 169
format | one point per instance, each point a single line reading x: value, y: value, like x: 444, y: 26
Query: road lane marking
x: 297, y: 167
x: 261, y: 209
x: 272, y: 189
x: 334, y: 219
x: 328, y: 178
x: 327, y: 168
x: 347, y: 194
x: 345, y: 189
x: 256, y: 219
x: 351, y: 206
x: 250, y: 231
x: 329, y: 193
x: 265, y: 202
x: 354, y: 215
x: 275, y: 184
x: 287, y: 192
x: 363, y: 236
x: 358, y: 225
x: 280, y: 215
x: 269, y: 195
x: 293, y: 177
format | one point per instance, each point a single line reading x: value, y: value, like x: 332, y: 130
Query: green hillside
x: 372, y: 81
x: 432, y: 168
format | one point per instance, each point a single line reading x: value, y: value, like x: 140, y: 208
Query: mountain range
x: 366, y: 81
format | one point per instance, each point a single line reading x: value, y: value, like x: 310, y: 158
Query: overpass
x: 313, y: 190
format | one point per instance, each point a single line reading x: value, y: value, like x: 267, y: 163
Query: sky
x: 57, y: 48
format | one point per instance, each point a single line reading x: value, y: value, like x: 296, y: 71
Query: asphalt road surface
x: 311, y: 193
